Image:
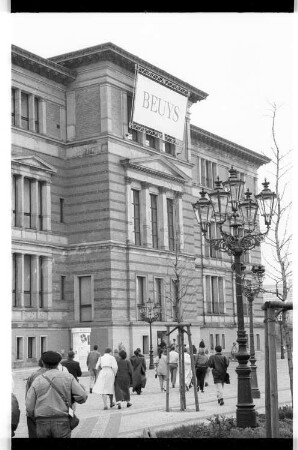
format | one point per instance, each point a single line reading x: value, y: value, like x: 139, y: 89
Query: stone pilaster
x: 70, y: 115
x: 35, y: 203
x: 145, y: 215
x: 18, y: 108
x: 106, y: 108
x: 179, y: 220
x: 163, y: 235
x: 130, y: 234
x: 19, y: 279
x: 31, y: 112
x: 47, y: 281
x: 46, y: 206
x: 35, y: 281
x: 42, y: 112
x: 19, y: 201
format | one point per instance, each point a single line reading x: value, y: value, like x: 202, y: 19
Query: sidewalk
x: 148, y: 409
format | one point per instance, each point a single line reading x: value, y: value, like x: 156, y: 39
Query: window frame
x: 154, y: 220
x: 25, y: 118
x: 136, y: 216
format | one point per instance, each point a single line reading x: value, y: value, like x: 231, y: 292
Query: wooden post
x: 168, y: 372
x: 273, y: 374
x: 182, y: 384
x: 180, y: 369
x: 267, y: 380
x: 193, y: 369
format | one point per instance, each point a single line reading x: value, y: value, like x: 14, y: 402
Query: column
x: 163, y: 236
x: 18, y: 108
x: 70, y: 115
x: 47, y: 281
x: 142, y: 138
x: 124, y: 116
x: 31, y: 113
x: 19, y: 280
x: 42, y: 112
x: 105, y: 109
x: 187, y: 139
x: 34, y: 206
x: 179, y: 219
x: 46, y: 206
x: 145, y: 215
x: 19, y: 201
x: 35, y: 281
x: 130, y: 235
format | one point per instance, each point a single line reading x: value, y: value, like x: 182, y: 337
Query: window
x: 258, y: 342
x: 213, y: 233
x: 214, y: 295
x: 61, y: 210
x: 62, y: 287
x: 133, y: 132
x: 13, y: 107
x: 25, y: 111
x: 151, y: 141
x: 175, y: 298
x: 27, y: 281
x: 31, y: 348
x: 208, y: 173
x: 169, y: 148
x: 170, y: 213
x: 41, y: 282
x: 40, y: 205
x: 36, y: 114
x: 158, y: 294
x: 136, y: 216
x: 217, y: 339
x: 85, y: 299
x: 211, y: 342
x: 20, y: 348
x: 14, y: 281
x: 154, y: 222
x: 27, y: 202
x: 13, y: 199
x: 223, y: 341
x: 43, y: 344
x: 141, y: 290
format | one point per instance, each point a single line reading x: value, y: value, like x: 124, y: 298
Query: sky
x: 244, y: 62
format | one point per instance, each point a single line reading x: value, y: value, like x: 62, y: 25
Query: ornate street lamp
x: 150, y: 312
x: 251, y: 288
x: 236, y: 218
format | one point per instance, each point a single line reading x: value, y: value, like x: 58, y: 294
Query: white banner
x: 158, y: 107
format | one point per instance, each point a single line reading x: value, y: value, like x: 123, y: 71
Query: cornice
x: 42, y: 66
x: 111, y: 52
x: 229, y: 146
x: 129, y: 165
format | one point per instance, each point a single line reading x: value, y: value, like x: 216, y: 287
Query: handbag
x: 73, y: 419
x: 227, y: 378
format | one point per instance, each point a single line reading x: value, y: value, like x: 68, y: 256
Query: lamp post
x: 150, y: 312
x: 251, y: 289
x: 282, y: 352
x: 237, y: 222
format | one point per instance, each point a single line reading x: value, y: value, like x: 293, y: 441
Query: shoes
x: 173, y: 385
x: 90, y: 391
x: 128, y: 405
x: 119, y: 406
x: 112, y: 404
x: 202, y: 391
x: 105, y: 407
x: 221, y: 402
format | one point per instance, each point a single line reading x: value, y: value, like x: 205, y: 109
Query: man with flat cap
x: 45, y: 405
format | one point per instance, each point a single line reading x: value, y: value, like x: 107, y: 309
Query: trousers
x: 57, y: 427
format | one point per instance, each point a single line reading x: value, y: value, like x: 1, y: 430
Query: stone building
x: 102, y: 214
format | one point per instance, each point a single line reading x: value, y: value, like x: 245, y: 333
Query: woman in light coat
x: 104, y: 385
x: 160, y: 363
x: 187, y: 369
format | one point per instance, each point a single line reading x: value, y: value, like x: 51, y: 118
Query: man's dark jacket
x: 73, y: 367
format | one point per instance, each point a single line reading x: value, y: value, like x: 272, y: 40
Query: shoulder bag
x: 73, y: 419
x: 227, y: 378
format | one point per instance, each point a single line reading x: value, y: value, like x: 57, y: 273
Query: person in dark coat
x: 31, y: 425
x: 72, y: 366
x: 123, y: 380
x: 139, y: 371
x: 15, y: 414
x: 219, y: 364
x: 202, y: 344
x: 201, y: 366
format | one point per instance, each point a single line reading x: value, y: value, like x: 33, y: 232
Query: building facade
x: 102, y: 215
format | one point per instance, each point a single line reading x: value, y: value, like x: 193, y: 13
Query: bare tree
x: 279, y: 239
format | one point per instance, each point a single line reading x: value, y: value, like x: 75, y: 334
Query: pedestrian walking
x: 207, y: 376
x: 173, y: 365
x: 92, y: 359
x: 44, y: 403
x: 219, y: 364
x: 202, y: 344
x: 187, y: 369
x: 31, y: 425
x: 201, y: 366
x: 160, y: 363
x: 104, y: 384
x: 15, y: 414
x: 139, y: 371
x: 234, y: 350
x: 72, y: 366
x: 123, y: 380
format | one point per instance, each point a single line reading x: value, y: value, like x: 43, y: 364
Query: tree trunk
x: 289, y: 351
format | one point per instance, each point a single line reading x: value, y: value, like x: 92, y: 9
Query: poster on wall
x: 159, y: 105
x: 81, y: 345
